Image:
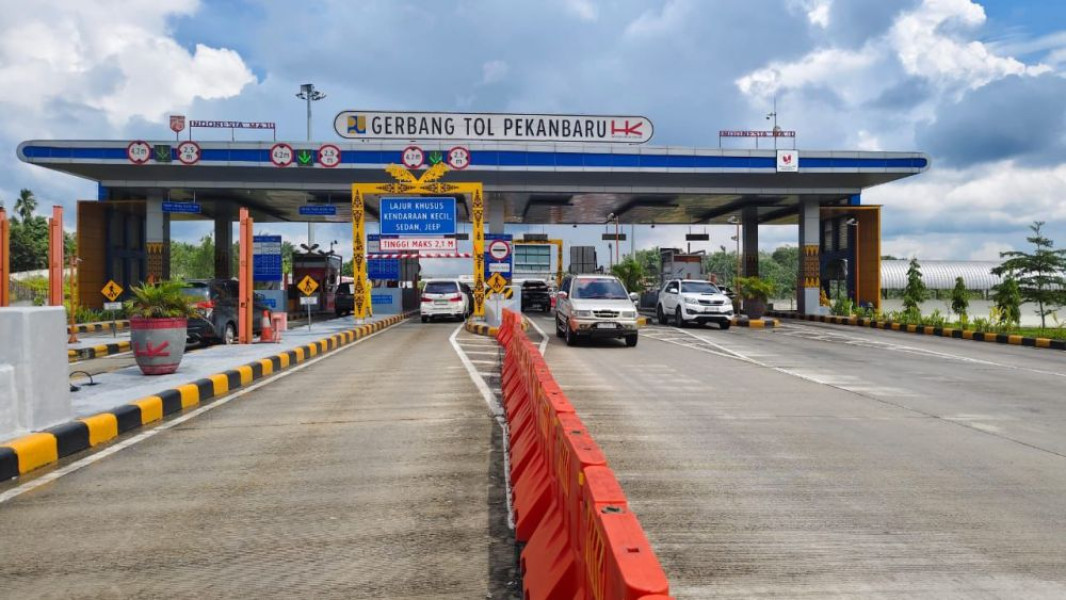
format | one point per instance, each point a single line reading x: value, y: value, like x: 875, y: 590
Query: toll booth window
x: 827, y: 236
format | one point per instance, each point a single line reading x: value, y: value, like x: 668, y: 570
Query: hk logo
x: 627, y: 130
x: 150, y: 352
x: 357, y: 124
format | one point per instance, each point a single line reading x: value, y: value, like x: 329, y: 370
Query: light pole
x: 735, y: 221
x: 853, y: 222
x: 609, y: 218
x: 310, y: 94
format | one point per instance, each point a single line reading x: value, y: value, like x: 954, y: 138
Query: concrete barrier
x: 37, y: 392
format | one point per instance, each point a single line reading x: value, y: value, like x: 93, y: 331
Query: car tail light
x: 427, y: 299
x: 206, y: 308
x: 456, y: 298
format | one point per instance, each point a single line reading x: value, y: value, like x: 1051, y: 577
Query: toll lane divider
x: 484, y: 329
x: 36, y: 450
x: 97, y: 327
x: 579, y: 538
x: 948, y: 332
x: 97, y: 351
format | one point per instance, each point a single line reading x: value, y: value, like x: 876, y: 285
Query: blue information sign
x: 181, y: 207
x: 387, y: 269
x: 381, y: 299
x: 266, y: 258
x: 494, y: 265
x: 318, y: 210
x: 417, y: 216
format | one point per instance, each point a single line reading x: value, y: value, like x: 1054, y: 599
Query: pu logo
x: 786, y: 159
x: 357, y: 124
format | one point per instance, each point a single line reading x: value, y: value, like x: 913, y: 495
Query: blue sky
x: 978, y: 84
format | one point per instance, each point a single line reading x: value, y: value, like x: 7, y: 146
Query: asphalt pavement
x: 814, y: 461
x: 372, y: 473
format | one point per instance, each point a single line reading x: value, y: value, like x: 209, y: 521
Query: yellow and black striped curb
x: 483, y: 329
x: 756, y: 323
x: 33, y: 451
x: 97, y: 351
x: 96, y: 327
x: 948, y: 332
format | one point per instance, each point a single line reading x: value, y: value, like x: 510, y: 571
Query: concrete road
x: 829, y: 462
x: 373, y: 473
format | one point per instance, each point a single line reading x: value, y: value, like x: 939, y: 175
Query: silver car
x: 595, y: 306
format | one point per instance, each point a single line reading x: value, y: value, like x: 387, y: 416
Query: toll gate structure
x: 143, y: 186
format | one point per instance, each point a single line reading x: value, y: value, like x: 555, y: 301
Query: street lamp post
x: 853, y: 222
x: 310, y: 94
x: 609, y: 218
x: 735, y: 221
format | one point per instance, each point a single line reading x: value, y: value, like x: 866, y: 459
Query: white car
x: 595, y: 306
x: 693, y: 301
x: 444, y: 298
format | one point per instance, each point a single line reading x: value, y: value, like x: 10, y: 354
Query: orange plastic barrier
x: 579, y: 540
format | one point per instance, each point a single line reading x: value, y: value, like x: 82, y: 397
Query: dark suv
x: 216, y: 300
x: 344, y: 303
x: 536, y: 295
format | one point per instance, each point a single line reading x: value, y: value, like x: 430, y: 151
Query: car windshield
x: 599, y: 289
x: 441, y: 287
x: 698, y: 287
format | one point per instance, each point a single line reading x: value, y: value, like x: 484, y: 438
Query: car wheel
x: 724, y: 325
x: 679, y: 321
x: 229, y: 336
x: 425, y: 319
x: 571, y: 337
x: 660, y: 314
x: 631, y: 340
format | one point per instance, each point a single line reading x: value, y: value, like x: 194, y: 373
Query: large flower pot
x: 755, y: 308
x: 158, y: 344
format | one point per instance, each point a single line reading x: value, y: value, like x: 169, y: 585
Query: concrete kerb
x: 97, y: 327
x: 947, y: 332
x: 483, y: 329
x: 98, y: 351
x: 36, y: 450
x: 756, y: 323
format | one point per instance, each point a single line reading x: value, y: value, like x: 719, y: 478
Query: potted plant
x: 756, y: 291
x: 158, y: 325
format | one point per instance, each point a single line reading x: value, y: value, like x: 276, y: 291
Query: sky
x: 976, y: 84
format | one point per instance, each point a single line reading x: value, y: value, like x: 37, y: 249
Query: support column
x: 55, y: 257
x: 750, y: 237
x: 156, y: 234
x: 5, y: 260
x: 224, y: 243
x: 809, y: 284
x: 244, y: 289
x: 496, y: 216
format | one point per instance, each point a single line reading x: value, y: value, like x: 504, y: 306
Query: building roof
x: 941, y: 274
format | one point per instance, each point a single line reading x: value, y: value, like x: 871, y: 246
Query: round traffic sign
x: 458, y: 158
x: 413, y: 157
x: 138, y: 152
x: 329, y: 156
x: 189, y: 153
x: 281, y: 155
x: 499, y: 249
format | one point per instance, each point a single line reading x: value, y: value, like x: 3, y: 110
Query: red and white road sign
x: 329, y: 155
x: 177, y: 123
x: 413, y: 157
x: 458, y: 158
x: 138, y: 152
x: 281, y: 155
x: 498, y: 249
x: 389, y: 244
x: 421, y: 254
x: 189, y: 153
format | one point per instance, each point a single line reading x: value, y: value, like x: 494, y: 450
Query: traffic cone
x: 266, y: 330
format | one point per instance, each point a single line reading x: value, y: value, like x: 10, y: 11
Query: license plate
x: 607, y: 325
x: 440, y: 302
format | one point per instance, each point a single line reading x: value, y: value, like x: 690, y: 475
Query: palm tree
x: 25, y: 205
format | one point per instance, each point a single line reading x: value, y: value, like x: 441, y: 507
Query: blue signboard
x: 494, y: 264
x: 381, y: 299
x: 266, y: 258
x: 181, y: 207
x: 318, y: 210
x: 387, y: 269
x: 417, y: 216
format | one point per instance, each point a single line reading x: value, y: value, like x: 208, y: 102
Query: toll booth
x: 325, y: 269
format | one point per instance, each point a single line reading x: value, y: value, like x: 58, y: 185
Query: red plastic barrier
x: 582, y: 543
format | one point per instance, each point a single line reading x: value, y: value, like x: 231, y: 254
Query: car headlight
x: 692, y: 301
x: 629, y: 314
x: 582, y: 313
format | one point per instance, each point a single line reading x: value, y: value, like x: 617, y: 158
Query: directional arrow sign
x: 161, y: 153
x: 112, y: 290
x: 305, y: 158
x: 307, y: 285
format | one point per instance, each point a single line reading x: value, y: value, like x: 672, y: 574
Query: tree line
x: 29, y: 235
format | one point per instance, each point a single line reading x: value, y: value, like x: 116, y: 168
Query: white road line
x: 497, y: 413
x: 543, y: 336
x: 496, y: 353
x: 88, y: 460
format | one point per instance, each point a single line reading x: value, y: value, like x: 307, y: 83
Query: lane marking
x: 543, y: 337
x: 140, y: 437
x: 497, y: 414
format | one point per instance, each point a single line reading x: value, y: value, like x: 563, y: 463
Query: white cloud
x: 585, y: 10
x: 831, y: 66
x: 493, y: 71
x: 817, y: 11
x: 653, y: 23
x: 109, y: 55
x: 989, y: 251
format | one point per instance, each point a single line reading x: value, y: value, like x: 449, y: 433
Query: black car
x: 536, y: 296
x: 344, y: 302
x: 216, y: 301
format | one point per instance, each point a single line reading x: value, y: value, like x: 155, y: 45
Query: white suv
x: 595, y: 306
x: 693, y: 301
x: 444, y: 298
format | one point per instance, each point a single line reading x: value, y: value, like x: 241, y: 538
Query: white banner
x: 788, y: 161
x: 359, y: 124
x: 388, y: 244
